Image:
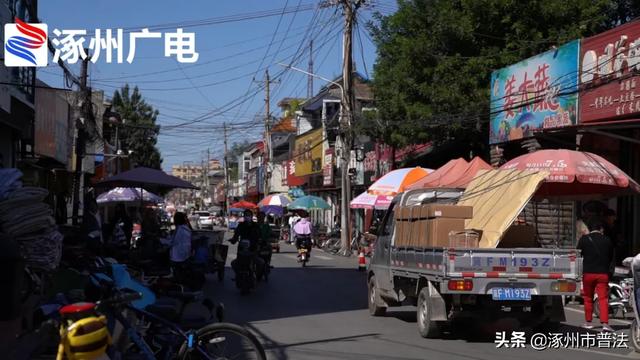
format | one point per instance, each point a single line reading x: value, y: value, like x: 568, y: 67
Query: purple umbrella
x: 120, y: 194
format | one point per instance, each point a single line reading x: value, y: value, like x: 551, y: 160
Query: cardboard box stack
x: 429, y: 225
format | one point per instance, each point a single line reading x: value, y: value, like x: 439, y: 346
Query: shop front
x: 584, y: 95
x: 610, y: 117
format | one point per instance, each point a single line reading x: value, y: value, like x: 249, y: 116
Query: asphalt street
x: 320, y: 312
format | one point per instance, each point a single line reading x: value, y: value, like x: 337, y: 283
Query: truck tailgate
x: 510, y: 263
x: 513, y: 263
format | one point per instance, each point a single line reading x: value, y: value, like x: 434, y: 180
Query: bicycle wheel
x: 224, y: 341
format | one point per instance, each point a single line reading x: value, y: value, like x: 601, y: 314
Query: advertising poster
x: 535, y: 94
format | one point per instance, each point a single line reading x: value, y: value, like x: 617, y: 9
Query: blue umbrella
x: 309, y: 202
x: 121, y: 194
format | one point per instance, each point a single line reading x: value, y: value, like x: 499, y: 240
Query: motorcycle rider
x: 250, y: 231
x: 302, y: 230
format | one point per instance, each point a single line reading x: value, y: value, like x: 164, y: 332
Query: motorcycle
x: 245, y: 268
x: 304, y: 250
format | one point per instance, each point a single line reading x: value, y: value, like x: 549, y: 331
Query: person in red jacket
x: 597, y: 253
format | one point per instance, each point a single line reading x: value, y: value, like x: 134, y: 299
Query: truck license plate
x: 511, y: 294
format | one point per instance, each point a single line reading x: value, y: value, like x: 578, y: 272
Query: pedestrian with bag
x: 597, y: 253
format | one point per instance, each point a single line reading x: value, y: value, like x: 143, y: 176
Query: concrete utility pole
x: 268, y: 151
x: 227, y: 184
x: 310, y: 70
x: 206, y: 181
x: 350, y: 8
x: 86, y: 115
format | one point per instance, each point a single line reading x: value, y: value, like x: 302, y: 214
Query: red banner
x: 292, y: 179
x: 608, y: 62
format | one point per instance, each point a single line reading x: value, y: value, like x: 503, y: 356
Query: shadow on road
x: 293, y: 292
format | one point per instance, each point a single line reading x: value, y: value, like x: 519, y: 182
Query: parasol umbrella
x: 274, y: 204
x: 121, y: 194
x: 397, y: 181
x: 142, y: 177
x: 309, y: 202
x: 435, y: 178
x: 575, y: 173
x: 244, y: 205
x: 275, y: 200
x: 368, y: 201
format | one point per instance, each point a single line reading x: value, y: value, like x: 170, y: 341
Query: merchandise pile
x: 25, y: 217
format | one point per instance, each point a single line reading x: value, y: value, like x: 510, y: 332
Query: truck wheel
x: 427, y: 327
x: 374, y: 299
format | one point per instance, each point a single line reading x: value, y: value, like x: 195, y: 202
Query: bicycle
x: 203, y: 343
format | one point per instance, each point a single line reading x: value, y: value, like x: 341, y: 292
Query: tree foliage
x: 435, y: 58
x: 139, y: 133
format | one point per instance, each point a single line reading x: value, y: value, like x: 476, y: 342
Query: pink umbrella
x: 368, y: 201
x: 575, y: 173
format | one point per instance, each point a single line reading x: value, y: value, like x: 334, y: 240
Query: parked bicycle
x: 84, y: 334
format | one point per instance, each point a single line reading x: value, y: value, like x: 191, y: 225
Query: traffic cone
x: 362, y: 262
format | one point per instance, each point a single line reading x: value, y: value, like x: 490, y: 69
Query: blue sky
x: 232, y: 55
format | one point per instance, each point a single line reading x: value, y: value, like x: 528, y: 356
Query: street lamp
x: 345, y: 188
x: 314, y: 75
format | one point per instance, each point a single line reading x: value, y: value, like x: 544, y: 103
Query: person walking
x: 597, y: 253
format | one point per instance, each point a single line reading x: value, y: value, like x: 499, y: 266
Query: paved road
x: 320, y: 312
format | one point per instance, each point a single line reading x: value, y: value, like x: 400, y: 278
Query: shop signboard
x: 52, y: 125
x: 308, y: 153
x: 327, y: 171
x: 289, y: 167
x: 252, y: 182
x: 535, y: 94
x: 609, y: 80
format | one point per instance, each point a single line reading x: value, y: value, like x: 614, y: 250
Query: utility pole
x: 310, y: 70
x: 268, y: 151
x: 347, y: 106
x: 227, y: 184
x: 207, y: 174
x: 85, y: 115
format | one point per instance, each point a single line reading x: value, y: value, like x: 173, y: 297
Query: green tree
x: 435, y: 57
x: 139, y: 133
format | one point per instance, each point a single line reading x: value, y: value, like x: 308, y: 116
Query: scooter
x: 620, y: 290
x: 635, y: 301
x: 304, y: 251
x: 265, y: 255
x: 245, y: 268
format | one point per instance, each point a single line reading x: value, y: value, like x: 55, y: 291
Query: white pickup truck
x: 484, y: 283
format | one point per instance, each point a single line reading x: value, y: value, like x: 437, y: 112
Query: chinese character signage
x: 327, y: 171
x: 535, y: 94
x: 252, y: 182
x: 289, y: 167
x: 608, y: 62
x: 308, y: 153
